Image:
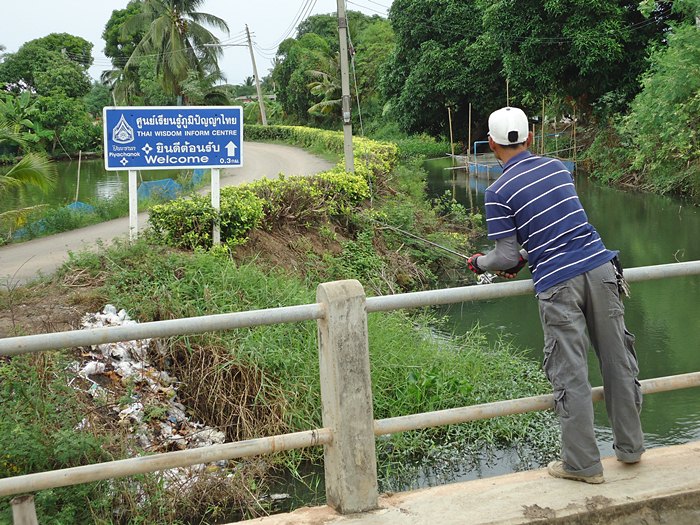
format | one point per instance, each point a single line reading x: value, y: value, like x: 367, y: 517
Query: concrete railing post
x: 350, y: 460
x: 23, y: 511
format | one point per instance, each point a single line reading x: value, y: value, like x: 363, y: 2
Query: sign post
x: 177, y: 137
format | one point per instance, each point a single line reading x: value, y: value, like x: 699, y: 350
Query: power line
x: 302, y: 14
x: 366, y: 7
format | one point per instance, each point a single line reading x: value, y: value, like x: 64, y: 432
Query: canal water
x: 95, y: 185
x: 663, y: 314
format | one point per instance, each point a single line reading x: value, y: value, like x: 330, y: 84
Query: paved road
x: 23, y: 262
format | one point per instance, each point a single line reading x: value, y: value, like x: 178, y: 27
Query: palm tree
x: 327, y: 85
x: 173, y: 31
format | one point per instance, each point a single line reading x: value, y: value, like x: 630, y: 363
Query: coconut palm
x: 173, y: 31
x: 327, y: 84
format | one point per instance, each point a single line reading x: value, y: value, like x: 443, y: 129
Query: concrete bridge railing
x: 349, y: 428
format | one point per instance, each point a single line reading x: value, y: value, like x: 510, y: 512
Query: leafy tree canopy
x: 297, y: 58
x: 442, y: 59
x: 35, y: 65
x: 453, y: 52
x: 120, y: 44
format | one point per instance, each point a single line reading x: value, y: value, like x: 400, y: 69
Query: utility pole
x: 345, y: 86
x: 261, y: 102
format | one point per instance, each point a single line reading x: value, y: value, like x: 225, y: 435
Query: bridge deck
x: 663, y: 488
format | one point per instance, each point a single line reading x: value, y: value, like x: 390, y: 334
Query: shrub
x: 188, y: 223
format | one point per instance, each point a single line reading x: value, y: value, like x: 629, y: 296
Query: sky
x: 269, y: 21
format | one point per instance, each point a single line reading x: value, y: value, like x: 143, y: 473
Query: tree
x: 123, y: 83
x: 306, y: 74
x: 442, y: 59
x: 658, y: 143
x: 174, y: 31
x: 297, y: 58
x: 58, y: 61
x: 576, y: 48
x: 326, y: 84
x: 73, y: 126
x: 96, y: 99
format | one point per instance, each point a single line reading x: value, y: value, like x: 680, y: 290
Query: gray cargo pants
x: 591, y: 302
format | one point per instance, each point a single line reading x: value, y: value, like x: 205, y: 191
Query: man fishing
x: 534, y: 215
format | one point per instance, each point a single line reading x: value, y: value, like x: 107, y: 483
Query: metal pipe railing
x: 508, y: 289
x: 288, y: 314
x: 166, y: 460
x: 515, y: 406
x: 172, y: 327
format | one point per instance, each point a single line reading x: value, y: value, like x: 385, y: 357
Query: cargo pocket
x: 552, y: 369
x: 554, y: 306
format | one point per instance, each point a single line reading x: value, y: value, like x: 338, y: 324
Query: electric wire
x: 367, y: 8
x: 302, y: 14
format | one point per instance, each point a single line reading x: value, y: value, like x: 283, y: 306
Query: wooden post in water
x: 452, y: 150
x: 542, y: 131
x: 23, y: 511
x: 574, y: 133
x: 77, y: 186
x: 469, y: 171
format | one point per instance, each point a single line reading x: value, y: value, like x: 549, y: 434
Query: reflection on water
x: 94, y: 185
x: 663, y: 314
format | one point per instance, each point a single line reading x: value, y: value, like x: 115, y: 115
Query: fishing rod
x: 484, y: 278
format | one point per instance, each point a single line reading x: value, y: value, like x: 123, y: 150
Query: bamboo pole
x: 574, y: 133
x: 452, y: 150
x: 542, y: 130
x: 469, y: 171
x: 77, y: 186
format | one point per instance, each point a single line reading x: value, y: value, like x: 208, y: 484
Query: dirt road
x: 23, y: 262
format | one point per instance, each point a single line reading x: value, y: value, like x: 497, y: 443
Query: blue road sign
x: 166, y: 137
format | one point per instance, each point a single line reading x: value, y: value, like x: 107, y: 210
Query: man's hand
x: 473, y: 266
x: 511, y: 273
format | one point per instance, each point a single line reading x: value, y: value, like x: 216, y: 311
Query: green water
x: 663, y: 314
x: 95, y: 185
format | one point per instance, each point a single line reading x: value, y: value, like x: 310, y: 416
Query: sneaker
x: 556, y: 469
x: 629, y: 461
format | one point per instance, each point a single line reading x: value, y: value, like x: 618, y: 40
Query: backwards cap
x: 508, y: 126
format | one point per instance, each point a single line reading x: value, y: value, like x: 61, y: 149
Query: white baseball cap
x: 508, y: 126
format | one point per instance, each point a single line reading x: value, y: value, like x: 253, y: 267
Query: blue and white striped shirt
x: 536, y: 200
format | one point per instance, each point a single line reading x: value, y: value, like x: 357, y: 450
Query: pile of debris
x: 144, y: 398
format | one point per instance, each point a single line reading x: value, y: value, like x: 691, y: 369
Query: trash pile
x: 144, y: 398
